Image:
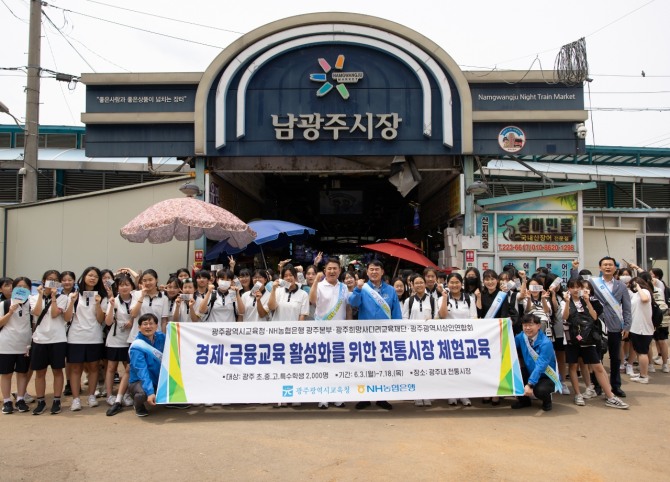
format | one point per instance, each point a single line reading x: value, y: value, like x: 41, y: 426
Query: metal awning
x: 578, y: 172
x: 610, y: 156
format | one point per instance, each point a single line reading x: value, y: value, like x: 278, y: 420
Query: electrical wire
x: 219, y: 47
x: 571, y: 65
x: 68, y: 41
x: 60, y: 85
x: 12, y: 12
x: 153, y: 15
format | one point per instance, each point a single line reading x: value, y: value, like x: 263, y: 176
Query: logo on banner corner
x: 287, y: 391
x: 337, y: 76
x: 361, y: 388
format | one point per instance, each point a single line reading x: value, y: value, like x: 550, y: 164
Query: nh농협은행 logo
x: 337, y: 76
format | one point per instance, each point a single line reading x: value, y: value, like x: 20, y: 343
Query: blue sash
x: 495, y: 306
x: 608, y: 296
x: 147, y: 348
x: 377, y: 298
x: 338, y: 303
x: 549, y: 371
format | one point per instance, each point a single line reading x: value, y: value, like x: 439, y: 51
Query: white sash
x: 338, y: 303
x: 377, y: 298
x: 608, y: 296
x: 495, y: 306
x: 549, y: 371
x: 147, y: 348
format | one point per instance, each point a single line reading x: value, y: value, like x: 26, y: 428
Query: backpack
x: 432, y: 306
x: 656, y: 313
x: 583, y: 329
x: 659, y: 304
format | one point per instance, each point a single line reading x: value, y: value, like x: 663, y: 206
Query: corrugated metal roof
x: 77, y: 159
x: 579, y: 172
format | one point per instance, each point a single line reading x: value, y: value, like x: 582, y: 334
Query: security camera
x: 580, y: 131
x: 23, y: 171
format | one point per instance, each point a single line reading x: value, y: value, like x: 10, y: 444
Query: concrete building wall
x: 79, y: 231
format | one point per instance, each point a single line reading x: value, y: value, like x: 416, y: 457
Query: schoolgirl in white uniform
x: 255, y: 301
x: 49, y: 340
x: 120, y: 321
x: 86, y: 315
x: 288, y: 302
x: 185, y: 309
x: 222, y: 303
x: 15, y: 334
x: 456, y: 304
x: 149, y: 300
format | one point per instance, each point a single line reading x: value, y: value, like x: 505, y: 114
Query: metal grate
x: 5, y: 139
x: 656, y: 195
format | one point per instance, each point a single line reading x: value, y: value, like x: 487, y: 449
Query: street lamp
x: 5, y: 110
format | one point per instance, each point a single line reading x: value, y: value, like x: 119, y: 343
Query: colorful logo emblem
x: 511, y: 139
x: 361, y: 388
x: 338, y: 77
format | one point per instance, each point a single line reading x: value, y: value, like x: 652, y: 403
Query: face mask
x: 625, y: 279
x: 224, y: 285
x: 471, y: 283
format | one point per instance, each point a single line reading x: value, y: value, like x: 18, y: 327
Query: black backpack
x: 656, y: 313
x: 583, y: 329
x: 432, y: 306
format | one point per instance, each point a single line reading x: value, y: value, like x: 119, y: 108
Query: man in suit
x: 613, y: 294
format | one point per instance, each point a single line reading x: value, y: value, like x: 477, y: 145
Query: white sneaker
x: 629, y: 370
x: 466, y: 402
x: 658, y: 360
x: 427, y: 403
x: 452, y: 401
x: 665, y: 368
x: 28, y: 398
x: 564, y: 389
x: 652, y: 368
x: 418, y: 403
x: 616, y: 402
x: 590, y: 393
x: 111, y: 400
x: 127, y: 400
x: 322, y: 405
x: 75, y: 406
x: 579, y: 400
x: 296, y: 404
x: 640, y: 379
x: 92, y: 401
x: 209, y: 405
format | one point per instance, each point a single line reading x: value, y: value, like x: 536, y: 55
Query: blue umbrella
x: 271, y: 233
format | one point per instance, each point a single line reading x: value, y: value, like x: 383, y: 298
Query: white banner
x: 315, y: 361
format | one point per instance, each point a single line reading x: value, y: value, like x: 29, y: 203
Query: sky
x: 624, y: 38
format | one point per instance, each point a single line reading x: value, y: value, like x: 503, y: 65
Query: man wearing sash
x: 615, y: 299
x: 539, y: 374
x: 330, y: 298
x: 375, y: 300
x: 146, y: 353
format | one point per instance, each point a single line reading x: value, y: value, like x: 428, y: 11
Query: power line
x: 136, y: 28
x: 67, y: 104
x: 635, y: 92
x: 12, y: 12
x: 68, y: 41
x: 153, y: 15
x: 630, y: 109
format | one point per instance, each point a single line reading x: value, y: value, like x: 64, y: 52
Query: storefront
x: 337, y: 94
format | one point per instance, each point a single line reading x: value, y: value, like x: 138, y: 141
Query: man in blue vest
x: 539, y: 374
x: 146, y: 353
x: 375, y: 300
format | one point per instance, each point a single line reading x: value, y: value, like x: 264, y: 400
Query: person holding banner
x: 491, y: 302
x: 146, y: 354
x: 615, y: 299
x: 539, y: 373
x: 330, y: 298
x: 375, y: 300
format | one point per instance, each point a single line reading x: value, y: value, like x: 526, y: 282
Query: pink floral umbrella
x: 187, y: 218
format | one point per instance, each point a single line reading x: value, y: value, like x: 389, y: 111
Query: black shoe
x: 384, y: 404
x: 547, y: 406
x: 486, y: 400
x: 117, y: 378
x: 67, y: 392
x: 114, y: 409
x: 22, y: 406
x: 521, y: 404
x: 619, y: 393
x: 7, y: 408
x: 141, y: 411
x: 495, y: 403
x: 362, y: 405
x: 55, y: 407
x: 40, y: 408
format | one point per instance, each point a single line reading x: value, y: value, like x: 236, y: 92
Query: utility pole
x: 31, y: 136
